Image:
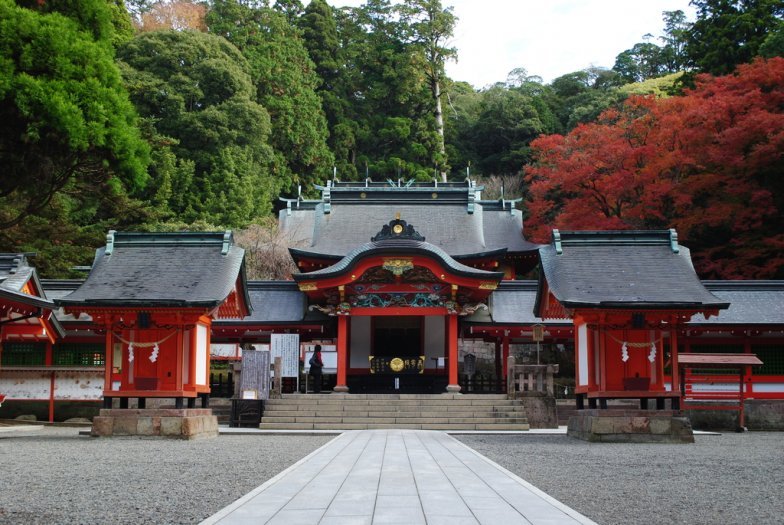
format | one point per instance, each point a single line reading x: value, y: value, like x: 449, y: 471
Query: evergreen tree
x: 197, y: 91
x: 66, y: 116
x: 730, y: 32
x: 285, y: 82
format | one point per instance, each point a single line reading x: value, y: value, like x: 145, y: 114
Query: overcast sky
x: 548, y: 38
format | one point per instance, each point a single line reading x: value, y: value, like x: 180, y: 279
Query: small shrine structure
x: 25, y: 312
x: 155, y: 296
x: 628, y: 293
x: 28, y: 327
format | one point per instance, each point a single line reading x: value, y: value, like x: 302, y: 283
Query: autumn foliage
x: 708, y: 163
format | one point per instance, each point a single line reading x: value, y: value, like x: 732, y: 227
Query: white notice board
x: 286, y: 346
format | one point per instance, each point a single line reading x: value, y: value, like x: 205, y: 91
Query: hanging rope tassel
x: 624, y: 352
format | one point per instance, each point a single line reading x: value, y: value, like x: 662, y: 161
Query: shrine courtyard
x: 54, y: 475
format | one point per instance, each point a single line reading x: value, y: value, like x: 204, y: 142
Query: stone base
x: 539, y: 409
x: 453, y: 389
x: 631, y: 426
x: 187, y: 423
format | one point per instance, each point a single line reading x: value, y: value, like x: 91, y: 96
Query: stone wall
x: 630, y: 426
x: 760, y: 415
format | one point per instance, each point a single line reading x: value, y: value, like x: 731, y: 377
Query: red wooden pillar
x: 748, y: 382
x: 178, y: 385
x: 674, y: 366
x: 108, y: 359
x: 453, y: 385
x: 342, y: 354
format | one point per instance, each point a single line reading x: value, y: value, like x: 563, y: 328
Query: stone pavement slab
x: 396, y: 476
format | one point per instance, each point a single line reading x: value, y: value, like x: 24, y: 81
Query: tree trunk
x: 436, y: 86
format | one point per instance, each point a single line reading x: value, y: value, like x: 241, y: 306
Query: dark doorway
x: 397, y: 336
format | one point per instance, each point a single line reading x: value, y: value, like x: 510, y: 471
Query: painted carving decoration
x: 469, y: 309
x: 398, y: 266
x: 327, y: 309
x: 381, y: 300
x: 343, y: 308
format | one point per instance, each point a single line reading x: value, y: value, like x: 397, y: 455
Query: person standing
x: 316, y: 364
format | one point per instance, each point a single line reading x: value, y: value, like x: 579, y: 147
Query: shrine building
x: 409, y: 287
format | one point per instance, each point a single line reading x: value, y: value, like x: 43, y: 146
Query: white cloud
x: 548, y: 38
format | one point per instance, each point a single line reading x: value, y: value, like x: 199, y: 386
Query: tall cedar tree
x: 389, y: 115
x: 730, y: 32
x: 707, y: 163
x: 430, y: 28
x: 285, y: 83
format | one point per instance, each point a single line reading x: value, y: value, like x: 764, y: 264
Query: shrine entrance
x: 397, y: 353
x: 397, y: 337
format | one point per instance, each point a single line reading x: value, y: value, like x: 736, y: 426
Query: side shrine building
x: 409, y: 287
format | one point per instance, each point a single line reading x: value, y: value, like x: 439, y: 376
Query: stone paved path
x: 405, y: 477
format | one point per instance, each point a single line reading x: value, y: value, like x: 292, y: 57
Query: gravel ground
x: 55, y: 476
x: 726, y: 479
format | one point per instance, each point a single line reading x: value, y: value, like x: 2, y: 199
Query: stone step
x: 379, y: 420
x: 389, y: 402
x: 367, y: 426
x: 367, y: 411
x: 437, y: 410
x: 392, y: 396
x: 463, y: 415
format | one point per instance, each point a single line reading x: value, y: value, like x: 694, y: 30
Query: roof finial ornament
x: 397, y: 229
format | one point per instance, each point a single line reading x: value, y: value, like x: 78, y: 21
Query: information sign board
x: 286, y: 346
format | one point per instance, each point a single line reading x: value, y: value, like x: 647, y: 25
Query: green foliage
x: 213, y: 161
x: 647, y: 59
x: 581, y: 96
x: 773, y: 46
x: 508, y: 121
x: 284, y: 83
x: 730, y: 32
x: 660, y: 87
x: 67, y: 120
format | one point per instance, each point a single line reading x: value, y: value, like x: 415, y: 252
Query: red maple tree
x: 708, y: 163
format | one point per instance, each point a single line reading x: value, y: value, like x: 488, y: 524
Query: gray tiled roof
x: 398, y: 247
x: 15, y: 271
x: 623, y: 269
x: 59, y: 288
x: 751, y: 303
x: 276, y: 302
x: 162, y: 269
x: 450, y: 227
x: 512, y: 303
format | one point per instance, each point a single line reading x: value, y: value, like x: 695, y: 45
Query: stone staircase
x: 411, y: 411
